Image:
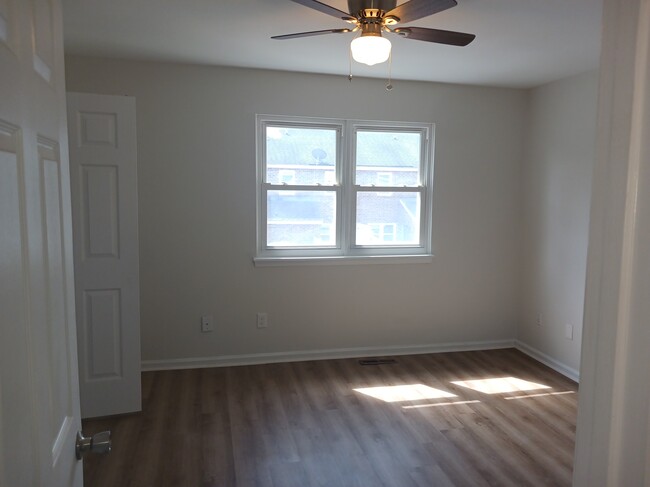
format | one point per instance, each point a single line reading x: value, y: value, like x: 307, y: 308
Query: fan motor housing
x: 371, y: 29
x: 355, y: 6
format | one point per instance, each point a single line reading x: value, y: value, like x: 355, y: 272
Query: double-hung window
x: 342, y: 189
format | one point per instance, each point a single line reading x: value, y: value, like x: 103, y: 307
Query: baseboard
x: 556, y: 365
x: 339, y: 353
x: 301, y: 356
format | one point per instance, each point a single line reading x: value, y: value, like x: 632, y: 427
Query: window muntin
x: 343, y: 187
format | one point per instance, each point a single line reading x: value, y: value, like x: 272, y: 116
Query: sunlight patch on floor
x: 500, y: 385
x: 410, y: 392
x: 527, y: 396
x: 451, y: 403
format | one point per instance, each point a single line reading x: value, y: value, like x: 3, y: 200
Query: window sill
x: 342, y: 260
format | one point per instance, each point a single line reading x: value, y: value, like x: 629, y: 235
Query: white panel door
x: 103, y: 175
x: 39, y: 395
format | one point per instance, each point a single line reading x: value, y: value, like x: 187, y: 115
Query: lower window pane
x: 388, y: 219
x: 301, y: 219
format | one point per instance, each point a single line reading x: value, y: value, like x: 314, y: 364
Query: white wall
x: 560, y: 153
x: 197, y: 214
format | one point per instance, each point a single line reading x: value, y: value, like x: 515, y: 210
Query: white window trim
x: 345, y: 250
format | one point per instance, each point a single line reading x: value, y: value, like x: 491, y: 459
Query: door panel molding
x: 103, y: 330
x: 97, y: 129
x: 99, y: 222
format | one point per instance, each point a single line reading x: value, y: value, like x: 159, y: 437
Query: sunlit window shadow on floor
x: 437, y: 404
x: 408, y: 392
x: 529, y: 396
x: 500, y: 385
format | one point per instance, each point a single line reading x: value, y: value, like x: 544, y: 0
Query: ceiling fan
x: 372, y: 17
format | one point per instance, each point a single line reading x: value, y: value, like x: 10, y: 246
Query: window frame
x: 346, y: 190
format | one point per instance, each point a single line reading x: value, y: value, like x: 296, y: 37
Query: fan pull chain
x: 389, y: 86
x: 350, y: 59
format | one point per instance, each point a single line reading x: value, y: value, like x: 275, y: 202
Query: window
x: 385, y: 179
x: 343, y: 188
x: 380, y: 232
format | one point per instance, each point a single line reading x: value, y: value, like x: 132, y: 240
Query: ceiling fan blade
x: 312, y: 33
x: 416, y: 9
x: 435, y: 35
x: 326, y: 9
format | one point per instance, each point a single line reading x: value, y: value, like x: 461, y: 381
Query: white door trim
x: 614, y: 411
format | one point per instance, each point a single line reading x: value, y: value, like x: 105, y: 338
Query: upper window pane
x: 300, y: 155
x: 388, y: 158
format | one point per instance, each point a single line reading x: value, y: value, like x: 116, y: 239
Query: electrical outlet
x: 568, y: 331
x: 207, y: 324
x: 262, y: 320
x: 540, y: 319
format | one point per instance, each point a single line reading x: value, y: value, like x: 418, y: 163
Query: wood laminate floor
x: 450, y: 419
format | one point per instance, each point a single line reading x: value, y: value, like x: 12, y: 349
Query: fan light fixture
x: 374, y: 17
x: 370, y: 49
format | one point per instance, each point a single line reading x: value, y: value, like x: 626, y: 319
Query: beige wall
x: 197, y: 214
x: 557, y: 171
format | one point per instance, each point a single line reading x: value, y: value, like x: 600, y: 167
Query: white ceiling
x: 519, y: 43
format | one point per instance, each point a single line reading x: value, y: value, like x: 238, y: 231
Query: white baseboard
x: 301, y: 356
x: 556, y: 365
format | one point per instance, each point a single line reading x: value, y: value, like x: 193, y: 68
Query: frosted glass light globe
x: 370, y: 50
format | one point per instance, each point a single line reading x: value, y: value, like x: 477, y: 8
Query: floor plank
x: 303, y: 424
